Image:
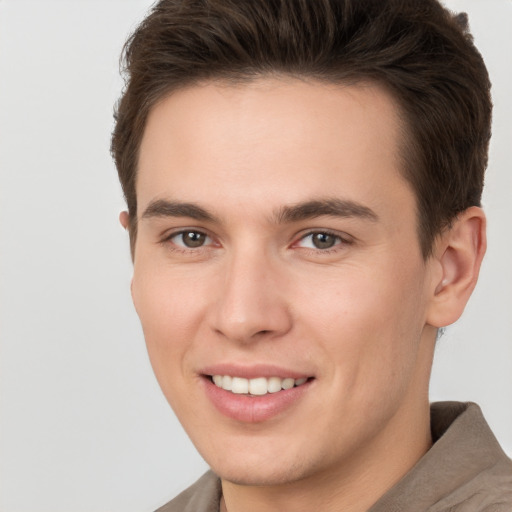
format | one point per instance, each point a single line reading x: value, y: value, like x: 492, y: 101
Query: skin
x: 359, y: 317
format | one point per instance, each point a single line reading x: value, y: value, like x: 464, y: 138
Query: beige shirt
x: 464, y: 471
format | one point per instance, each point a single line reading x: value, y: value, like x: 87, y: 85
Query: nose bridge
x: 250, y: 302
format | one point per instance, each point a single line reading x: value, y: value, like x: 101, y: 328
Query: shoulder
x: 465, y: 470
x: 202, y: 496
x: 477, y: 473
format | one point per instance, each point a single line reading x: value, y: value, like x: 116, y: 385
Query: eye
x: 319, y: 240
x: 190, y: 239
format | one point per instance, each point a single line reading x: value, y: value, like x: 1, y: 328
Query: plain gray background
x: 83, y: 424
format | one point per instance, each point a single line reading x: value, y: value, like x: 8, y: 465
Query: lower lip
x: 253, y: 408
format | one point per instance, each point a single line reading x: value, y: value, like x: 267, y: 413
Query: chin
x: 250, y: 476
x: 262, y: 469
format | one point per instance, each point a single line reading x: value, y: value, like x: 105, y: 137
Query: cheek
x: 370, y: 322
x: 170, y: 315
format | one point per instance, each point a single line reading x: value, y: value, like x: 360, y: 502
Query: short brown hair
x: 419, y: 51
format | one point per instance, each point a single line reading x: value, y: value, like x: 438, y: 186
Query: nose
x: 251, y: 303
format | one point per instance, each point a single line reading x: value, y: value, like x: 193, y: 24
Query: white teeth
x: 288, y: 383
x: 274, y: 384
x: 226, y: 382
x: 239, y: 386
x: 258, y: 386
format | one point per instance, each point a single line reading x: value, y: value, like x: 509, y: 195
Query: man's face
x: 277, y: 245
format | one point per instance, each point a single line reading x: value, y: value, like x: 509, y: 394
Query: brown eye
x: 191, y: 239
x: 320, y: 240
x: 323, y: 240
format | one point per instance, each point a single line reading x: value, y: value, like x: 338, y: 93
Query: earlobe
x: 459, y: 253
x: 124, y: 219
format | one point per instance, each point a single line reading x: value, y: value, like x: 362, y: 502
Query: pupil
x: 193, y: 239
x: 323, y: 240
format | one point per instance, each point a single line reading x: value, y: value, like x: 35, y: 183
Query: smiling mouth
x: 255, y: 387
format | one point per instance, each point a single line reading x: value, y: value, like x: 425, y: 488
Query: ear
x: 458, y: 254
x: 124, y: 219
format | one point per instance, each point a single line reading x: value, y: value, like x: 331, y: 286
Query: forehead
x: 270, y: 141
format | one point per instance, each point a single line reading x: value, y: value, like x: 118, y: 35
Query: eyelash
x: 339, y: 241
x: 168, y: 241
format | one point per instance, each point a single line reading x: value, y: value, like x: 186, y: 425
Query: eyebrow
x: 285, y: 214
x: 166, y: 208
x: 328, y: 207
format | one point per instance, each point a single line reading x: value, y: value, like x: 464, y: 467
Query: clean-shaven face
x: 279, y: 279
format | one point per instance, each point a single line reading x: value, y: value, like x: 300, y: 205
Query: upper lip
x: 253, y: 371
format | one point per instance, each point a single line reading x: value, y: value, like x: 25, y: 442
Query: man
x: 303, y: 182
